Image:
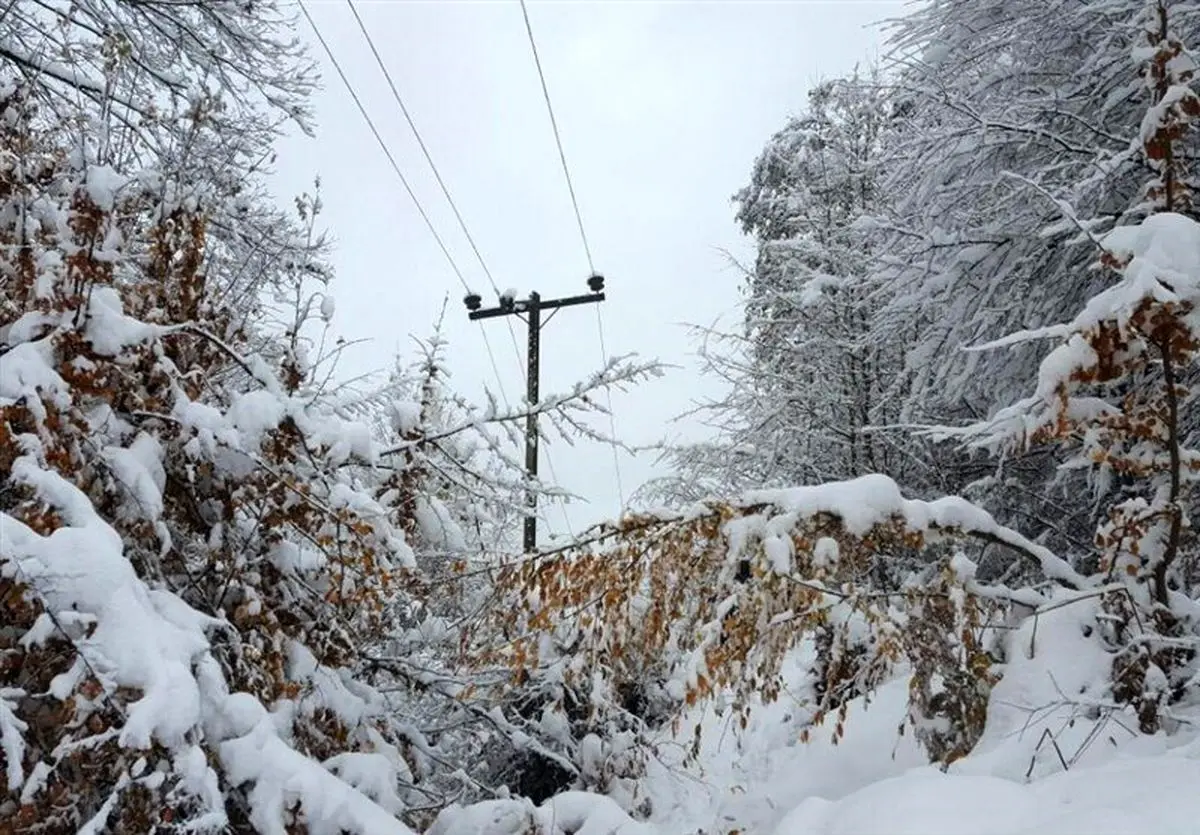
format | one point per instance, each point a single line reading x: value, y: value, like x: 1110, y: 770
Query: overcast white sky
x: 663, y: 107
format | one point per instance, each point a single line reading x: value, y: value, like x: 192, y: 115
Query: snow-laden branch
x: 864, y: 503
x: 565, y: 410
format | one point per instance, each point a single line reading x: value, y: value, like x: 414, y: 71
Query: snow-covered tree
x: 453, y: 485
x: 808, y: 378
x: 1116, y: 390
x: 1012, y: 110
x: 194, y: 95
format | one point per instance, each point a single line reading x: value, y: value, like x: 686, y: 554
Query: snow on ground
x: 1129, y: 795
x: 576, y: 813
x: 877, y: 782
x: 750, y: 784
x: 1054, y: 759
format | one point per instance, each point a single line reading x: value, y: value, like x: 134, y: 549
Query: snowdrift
x: 1048, y: 763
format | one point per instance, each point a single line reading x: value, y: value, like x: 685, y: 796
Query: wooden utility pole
x: 530, y: 312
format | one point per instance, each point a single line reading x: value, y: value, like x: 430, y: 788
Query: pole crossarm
x: 524, y: 306
x: 532, y: 308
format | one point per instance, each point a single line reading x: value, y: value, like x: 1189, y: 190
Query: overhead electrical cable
x: 587, y: 249
x: 462, y: 224
x: 399, y: 99
x: 437, y: 175
x: 387, y: 152
x: 562, y: 156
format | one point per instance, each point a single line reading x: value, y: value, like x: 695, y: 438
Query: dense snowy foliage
x: 939, y: 552
x: 808, y: 375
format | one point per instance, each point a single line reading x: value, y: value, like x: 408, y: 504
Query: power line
x: 462, y: 224
x: 421, y: 142
x: 587, y: 250
x: 445, y: 192
x: 557, y: 137
x: 612, y: 421
x: 383, y: 145
x: 403, y: 180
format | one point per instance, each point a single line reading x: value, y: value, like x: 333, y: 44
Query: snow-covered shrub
x: 183, y: 543
x: 448, y: 481
x: 724, y: 592
x: 949, y: 637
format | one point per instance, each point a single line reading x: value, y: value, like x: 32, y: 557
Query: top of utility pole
x: 532, y: 307
x: 508, y: 304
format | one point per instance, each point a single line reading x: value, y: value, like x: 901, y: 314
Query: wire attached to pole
x: 462, y: 224
x: 587, y: 249
x: 562, y: 156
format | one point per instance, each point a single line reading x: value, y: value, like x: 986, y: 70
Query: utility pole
x: 530, y: 312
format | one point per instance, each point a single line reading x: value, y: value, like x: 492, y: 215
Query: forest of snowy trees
x: 957, y: 448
